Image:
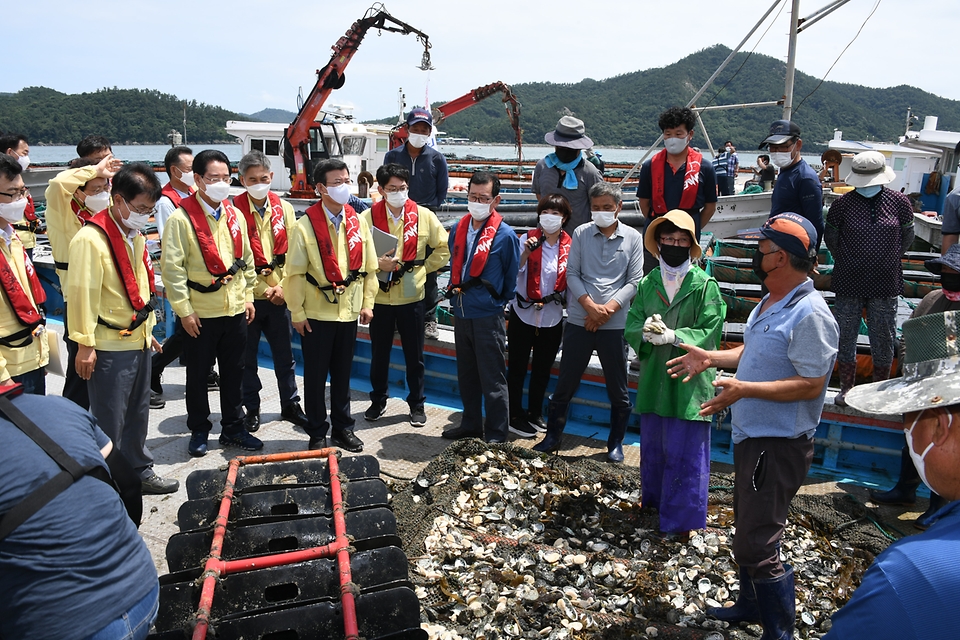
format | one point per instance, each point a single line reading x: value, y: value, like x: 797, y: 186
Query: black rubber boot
x: 776, y: 599
x: 848, y: 377
x: 905, y: 491
x: 556, y: 421
x: 618, y: 428
x: 927, y: 519
x: 744, y: 609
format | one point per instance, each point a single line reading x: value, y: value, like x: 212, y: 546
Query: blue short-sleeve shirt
x: 797, y: 336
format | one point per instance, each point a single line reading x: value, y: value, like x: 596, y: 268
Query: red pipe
x: 347, y: 588
x: 278, y: 559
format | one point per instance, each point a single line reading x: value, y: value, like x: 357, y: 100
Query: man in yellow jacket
x: 112, y: 297
x: 207, y: 270
x: 73, y: 196
x: 330, y: 280
x: 23, y: 341
x: 269, y: 221
x: 403, y: 273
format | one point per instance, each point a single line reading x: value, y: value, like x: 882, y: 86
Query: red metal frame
x: 215, y: 567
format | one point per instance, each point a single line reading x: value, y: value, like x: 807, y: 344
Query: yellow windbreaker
x: 62, y: 222
x: 16, y: 362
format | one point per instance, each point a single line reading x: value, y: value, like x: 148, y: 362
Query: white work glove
x: 656, y: 332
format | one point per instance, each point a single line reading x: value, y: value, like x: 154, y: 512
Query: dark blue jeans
x: 34, y: 382
x: 134, y: 623
x: 272, y: 321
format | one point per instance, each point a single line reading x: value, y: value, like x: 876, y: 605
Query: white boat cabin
x: 911, y: 164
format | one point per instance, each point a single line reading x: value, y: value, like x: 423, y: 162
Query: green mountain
x: 274, y: 115
x: 124, y: 116
x: 623, y: 110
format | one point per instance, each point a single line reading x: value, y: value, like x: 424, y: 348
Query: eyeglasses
x: 481, y: 199
x: 16, y: 195
x: 140, y: 211
x: 395, y: 189
x: 337, y: 183
x: 97, y: 190
x: 683, y: 241
x: 207, y: 180
x: 784, y: 146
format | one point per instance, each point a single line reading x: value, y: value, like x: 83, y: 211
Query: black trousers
x: 328, y: 351
x: 272, y: 321
x: 408, y: 320
x: 222, y: 340
x: 768, y: 472
x: 172, y: 349
x: 74, y: 387
x: 545, y: 343
x: 482, y: 375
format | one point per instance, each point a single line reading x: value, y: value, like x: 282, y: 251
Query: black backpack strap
x: 39, y: 497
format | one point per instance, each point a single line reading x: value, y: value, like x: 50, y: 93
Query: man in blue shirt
x: 485, y: 258
x: 788, y: 352
x: 798, y: 187
x: 429, y: 180
x: 911, y: 590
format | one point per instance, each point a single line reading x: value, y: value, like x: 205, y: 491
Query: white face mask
x: 258, y: 191
x: 479, y: 210
x: 781, y: 158
x: 551, y: 222
x: 340, y: 193
x: 187, y: 178
x: 98, y: 202
x: 675, y: 145
x: 418, y: 140
x: 24, y: 162
x: 218, y: 191
x: 604, y: 218
x: 397, y: 199
x: 136, y: 221
x: 918, y: 458
x: 13, y: 211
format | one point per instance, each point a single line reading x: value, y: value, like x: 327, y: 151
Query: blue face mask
x: 869, y: 192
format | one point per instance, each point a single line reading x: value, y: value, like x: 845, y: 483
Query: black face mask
x: 674, y: 255
x: 757, y: 261
x: 950, y: 281
x: 565, y: 154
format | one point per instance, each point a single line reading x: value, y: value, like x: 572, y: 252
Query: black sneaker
x: 156, y: 402
x: 155, y: 485
x: 375, y: 411
x: 243, y: 440
x: 198, y: 444
x: 520, y: 427
x: 417, y: 417
x: 346, y: 439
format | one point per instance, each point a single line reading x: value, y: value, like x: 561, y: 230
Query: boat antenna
x: 184, y: 122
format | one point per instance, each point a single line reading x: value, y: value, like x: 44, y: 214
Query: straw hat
x: 680, y: 218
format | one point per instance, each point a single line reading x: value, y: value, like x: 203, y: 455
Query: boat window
x: 899, y: 163
x: 353, y: 145
x: 256, y: 144
x: 382, y: 145
x: 317, y: 146
x: 272, y: 147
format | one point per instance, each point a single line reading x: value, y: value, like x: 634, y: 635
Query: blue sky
x: 246, y: 56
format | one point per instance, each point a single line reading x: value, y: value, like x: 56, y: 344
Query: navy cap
x: 780, y: 132
x: 419, y: 115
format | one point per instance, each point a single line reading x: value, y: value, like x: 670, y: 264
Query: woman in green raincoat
x: 676, y: 303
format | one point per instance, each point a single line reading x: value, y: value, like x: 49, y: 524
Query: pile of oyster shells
x: 528, y: 549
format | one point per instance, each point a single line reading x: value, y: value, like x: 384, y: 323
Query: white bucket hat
x: 869, y: 169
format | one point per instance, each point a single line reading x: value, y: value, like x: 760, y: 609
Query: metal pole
x: 791, y: 61
x: 717, y: 107
x: 706, y: 85
x: 706, y: 136
x: 814, y: 18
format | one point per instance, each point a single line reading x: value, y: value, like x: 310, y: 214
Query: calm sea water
x: 155, y: 153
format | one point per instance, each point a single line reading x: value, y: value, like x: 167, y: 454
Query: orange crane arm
x: 330, y: 78
x: 444, y: 111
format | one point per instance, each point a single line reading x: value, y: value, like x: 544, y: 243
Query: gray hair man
x: 603, y: 269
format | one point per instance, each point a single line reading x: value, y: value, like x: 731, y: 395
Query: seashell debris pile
x: 504, y: 544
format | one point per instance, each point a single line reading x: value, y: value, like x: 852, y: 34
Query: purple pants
x: 675, y: 470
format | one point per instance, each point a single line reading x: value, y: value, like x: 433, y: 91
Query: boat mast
x: 791, y: 60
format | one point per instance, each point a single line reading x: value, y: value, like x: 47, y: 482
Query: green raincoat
x: 696, y: 315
